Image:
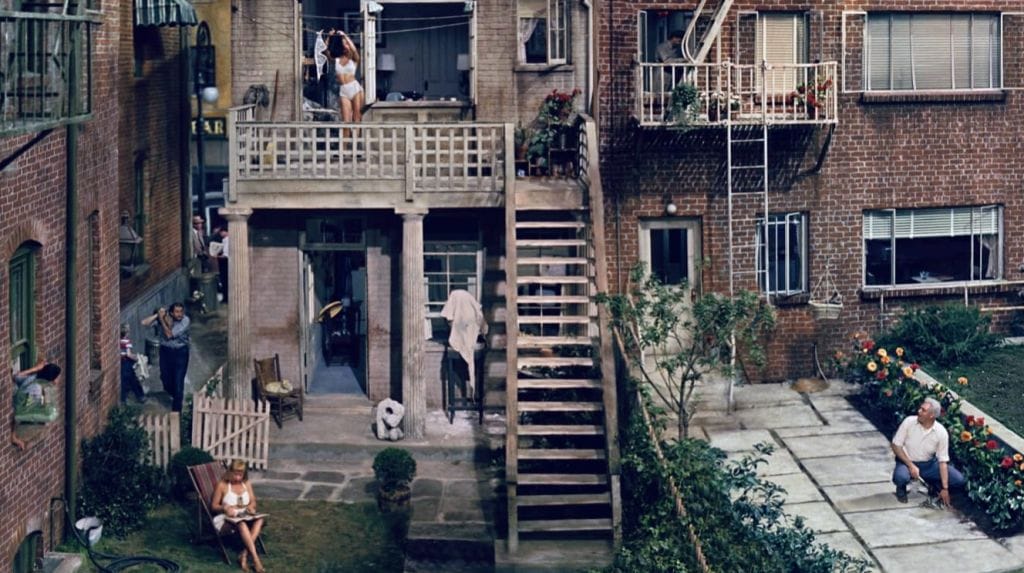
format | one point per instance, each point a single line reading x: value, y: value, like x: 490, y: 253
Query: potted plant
x: 683, y: 104
x: 812, y: 97
x: 553, y: 127
x: 394, y: 469
x: 720, y: 105
x: 522, y: 142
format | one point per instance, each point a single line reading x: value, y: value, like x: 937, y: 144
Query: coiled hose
x: 117, y: 562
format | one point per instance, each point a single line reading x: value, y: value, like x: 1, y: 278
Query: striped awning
x: 165, y: 13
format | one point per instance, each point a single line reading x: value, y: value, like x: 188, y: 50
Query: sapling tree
x: 671, y: 348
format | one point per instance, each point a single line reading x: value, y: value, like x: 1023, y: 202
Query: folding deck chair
x: 204, y: 479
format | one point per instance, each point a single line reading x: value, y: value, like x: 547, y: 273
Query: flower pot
x: 825, y: 310
x: 812, y: 112
x: 714, y: 113
x: 394, y: 499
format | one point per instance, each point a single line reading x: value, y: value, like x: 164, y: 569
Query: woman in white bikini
x: 350, y: 95
x: 234, y: 498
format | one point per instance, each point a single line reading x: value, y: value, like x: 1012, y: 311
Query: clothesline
x: 357, y: 35
x: 385, y: 18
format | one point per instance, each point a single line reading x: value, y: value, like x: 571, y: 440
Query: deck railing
x: 428, y: 157
x: 748, y: 94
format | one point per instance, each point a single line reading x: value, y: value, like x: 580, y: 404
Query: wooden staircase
x: 561, y: 442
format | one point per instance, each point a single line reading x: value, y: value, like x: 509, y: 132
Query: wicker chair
x: 285, y: 400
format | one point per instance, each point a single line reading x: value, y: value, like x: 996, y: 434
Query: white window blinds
x: 932, y: 51
x: 920, y: 223
x: 781, y: 39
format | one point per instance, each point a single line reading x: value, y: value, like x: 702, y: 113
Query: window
x: 926, y: 246
x: 787, y: 253
x: 654, y: 28
x: 22, y: 308
x: 139, y: 223
x: 449, y: 265
x: 782, y: 39
x: 543, y: 31
x: 669, y: 248
x: 932, y: 52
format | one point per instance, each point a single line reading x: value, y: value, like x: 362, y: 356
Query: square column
x: 237, y: 375
x: 414, y: 391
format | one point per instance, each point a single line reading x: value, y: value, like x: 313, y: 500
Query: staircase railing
x: 511, y: 346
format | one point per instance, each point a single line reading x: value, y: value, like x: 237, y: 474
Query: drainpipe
x: 184, y: 152
x: 70, y: 290
x: 591, y: 50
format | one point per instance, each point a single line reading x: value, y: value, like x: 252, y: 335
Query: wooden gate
x: 164, y: 431
x: 232, y: 429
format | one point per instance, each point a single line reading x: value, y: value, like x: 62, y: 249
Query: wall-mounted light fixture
x: 670, y: 208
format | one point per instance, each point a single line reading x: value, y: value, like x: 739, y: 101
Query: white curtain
x: 526, y: 28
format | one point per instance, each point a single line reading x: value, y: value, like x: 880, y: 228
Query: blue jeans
x: 130, y: 382
x: 929, y: 472
x: 173, y: 367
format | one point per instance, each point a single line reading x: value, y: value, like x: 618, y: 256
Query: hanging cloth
x: 319, y: 57
x: 467, y: 323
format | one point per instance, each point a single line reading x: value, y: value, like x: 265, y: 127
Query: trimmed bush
x: 177, y: 470
x: 393, y: 467
x: 947, y: 336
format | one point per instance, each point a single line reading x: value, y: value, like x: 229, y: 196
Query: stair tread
x: 557, y: 383
x: 552, y: 260
x: 529, y: 341
x: 562, y: 479
x: 565, y: 525
x: 560, y: 430
x: 548, y: 279
x: 560, y: 406
x: 562, y: 499
x: 560, y: 454
x: 554, y: 299
x: 554, y: 361
x: 550, y: 224
x: 551, y: 242
x: 562, y: 319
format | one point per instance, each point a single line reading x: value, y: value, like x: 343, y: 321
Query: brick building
x: 880, y: 140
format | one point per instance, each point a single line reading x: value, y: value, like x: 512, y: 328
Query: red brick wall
x: 905, y: 155
x: 32, y: 208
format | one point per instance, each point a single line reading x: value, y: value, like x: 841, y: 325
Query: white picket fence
x: 232, y: 429
x: 164, y: 431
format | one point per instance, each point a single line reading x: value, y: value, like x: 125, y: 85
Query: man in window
x: 921, y: 445
x: 671, y: 50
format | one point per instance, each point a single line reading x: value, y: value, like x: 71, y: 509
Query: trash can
x: 153, y: 352
x: 206, y: 283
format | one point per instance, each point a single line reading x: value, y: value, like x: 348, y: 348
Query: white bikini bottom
x: 349, y: 90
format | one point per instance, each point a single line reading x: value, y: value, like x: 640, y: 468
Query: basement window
x: 925, y: 247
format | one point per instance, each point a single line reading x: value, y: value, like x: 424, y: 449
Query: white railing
x: 428, y: 157
x: 164, y: 431
x: 773, y: 93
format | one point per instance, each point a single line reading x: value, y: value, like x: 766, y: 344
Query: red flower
x: 991, y: 444
x: 969, y: 421
x: 868, y: 345
x: 915, y: 366
x: 888, y: 393
x: 1007, y: 462
x: 979, y: 421
x: 881, y: 374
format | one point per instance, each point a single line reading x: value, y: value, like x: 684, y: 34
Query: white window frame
x: 693, y: 248
x: 452, y: 280
x: 557, y: 40
x: 974, y: 21
x: 901, y: 224
x: 775, y: 220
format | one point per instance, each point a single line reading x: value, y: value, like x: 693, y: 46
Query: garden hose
x: 118, y: 563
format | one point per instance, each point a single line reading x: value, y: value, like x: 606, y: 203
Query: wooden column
x: 414, y: 391
x: 237, y: 374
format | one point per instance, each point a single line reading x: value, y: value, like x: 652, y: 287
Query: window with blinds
x: 921, y: 246
x: 932, y: 52
x: 782, y: 39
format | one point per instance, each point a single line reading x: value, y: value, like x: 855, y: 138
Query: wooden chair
x: 284, y: 399
x: 204, y: 480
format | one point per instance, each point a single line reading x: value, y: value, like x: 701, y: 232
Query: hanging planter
x: 826, y: 301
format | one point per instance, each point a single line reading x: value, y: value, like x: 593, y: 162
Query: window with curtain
x: 787, y: 253
x: 927, y: 246
x: 543, y: 31
x: 932, y: 52
x: 782, y: 39
x: 22, y: 308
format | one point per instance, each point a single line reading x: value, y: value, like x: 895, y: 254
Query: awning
x: 165, y: 13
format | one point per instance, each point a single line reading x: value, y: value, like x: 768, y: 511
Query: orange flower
x: 962, y: 380
x: 1021, y: 467
x: 886, y: 360
x: 882, y: 352
x: 965, y: 436
x: 872, y: 366
x: 899, y: 351
x: 1018, y: 458
x: 908, y: 372
x: 1017, y: 483
x: 988, y: 431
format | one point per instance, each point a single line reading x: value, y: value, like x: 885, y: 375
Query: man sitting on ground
x: 921, y: 445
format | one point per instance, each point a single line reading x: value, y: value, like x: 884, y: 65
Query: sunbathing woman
x: 350, y: 94
x: 234, y: 498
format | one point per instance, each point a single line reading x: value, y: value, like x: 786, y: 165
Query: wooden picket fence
x: 164, y: 431
x: 232, y: 429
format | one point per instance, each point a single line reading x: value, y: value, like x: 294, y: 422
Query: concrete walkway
x: 836, y: 469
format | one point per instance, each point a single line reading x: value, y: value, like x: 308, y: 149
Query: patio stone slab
x: 845, y: 541
x: 911, y: 526
x: 427, y: 487
x: 324, y: 477
x: 839, y: 422
x: 778, y: 417
x: 1015, y: 544
x: 359, y: 490
x: 280, y: 490
x: 853, y: 444
x: 818, y: 516
x: 963, y: 556
x: 867, y: 468
x: 427, y: 509
x: 869, y: 497
x: 739, y: 440
x: 799, y: 488
x: 320, y: 492
x: 761, y: 395
x: 278, y: 475
x: 837, y: 387
x: 829, y: 403
x: 780, y: 462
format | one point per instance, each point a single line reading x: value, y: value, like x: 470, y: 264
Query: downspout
x: 591, y: 50
x: 70, y: 290
x: 184, y: 150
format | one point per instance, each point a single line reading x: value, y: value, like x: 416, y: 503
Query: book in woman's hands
x: 244, y: 515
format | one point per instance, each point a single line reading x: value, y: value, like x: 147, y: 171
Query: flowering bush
x: 559, y: 107
x: 812, y: 95
x: 995, y: 475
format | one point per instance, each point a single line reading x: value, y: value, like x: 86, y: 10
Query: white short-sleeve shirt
x: 920, y: 444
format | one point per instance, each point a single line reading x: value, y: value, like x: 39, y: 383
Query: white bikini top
x: 348, y: 68
x: 235, y: 499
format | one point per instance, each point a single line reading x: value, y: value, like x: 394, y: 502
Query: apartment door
x: 671, y: 250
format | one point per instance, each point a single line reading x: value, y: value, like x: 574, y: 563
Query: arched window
x: 22, y: 307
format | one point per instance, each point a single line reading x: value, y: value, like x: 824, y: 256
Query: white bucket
x: 85, y: 524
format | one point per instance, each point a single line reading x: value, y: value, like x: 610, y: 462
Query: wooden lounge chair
x: 204, y: 479
x: 285, y: 400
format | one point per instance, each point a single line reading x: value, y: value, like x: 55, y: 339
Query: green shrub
x: 393, y: 467
x: 119, y: 485
x: 684, y: 104
x: 177, y: 470
x: 947, y: 336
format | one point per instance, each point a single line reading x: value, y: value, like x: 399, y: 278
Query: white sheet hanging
x: 467, y: 323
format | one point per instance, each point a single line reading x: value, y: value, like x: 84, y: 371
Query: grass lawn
x: 301, y: 536
x: 995, y: 385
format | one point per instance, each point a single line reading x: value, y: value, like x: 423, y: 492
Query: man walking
x: 921, y: 445
x: 200, y: 248
x: 172, y: 330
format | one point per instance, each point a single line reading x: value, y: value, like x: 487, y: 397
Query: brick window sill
x: 933, y: 96
x: 907, y: 291
x: 542, y: 68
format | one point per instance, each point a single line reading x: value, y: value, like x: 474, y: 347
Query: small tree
x: 684, y: 345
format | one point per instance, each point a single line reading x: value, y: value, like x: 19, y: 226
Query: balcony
x: 791, y: 94
x: 36, y: 51
x: 296, y: 165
